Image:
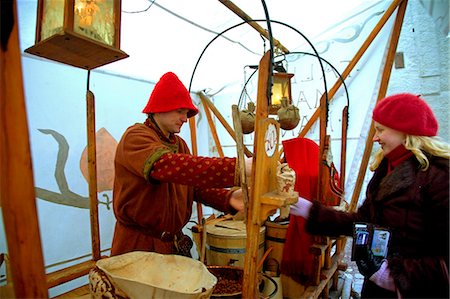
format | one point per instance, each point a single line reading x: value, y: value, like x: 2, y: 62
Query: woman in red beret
x: 157, y: 179
x: 408, y: 195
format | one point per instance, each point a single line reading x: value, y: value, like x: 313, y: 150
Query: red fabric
x: 302, y: 155
x: 397, y: 156
x: 406, y: 113
x: 170, y: 94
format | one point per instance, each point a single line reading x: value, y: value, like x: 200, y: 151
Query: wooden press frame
x: 18, y: 198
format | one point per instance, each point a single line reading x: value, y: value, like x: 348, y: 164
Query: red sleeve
x: 216, y: 198
x: 203, y: 172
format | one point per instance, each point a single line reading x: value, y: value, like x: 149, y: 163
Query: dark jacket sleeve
x: 328, y: 221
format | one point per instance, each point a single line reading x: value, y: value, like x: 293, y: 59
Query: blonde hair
x: 418, y: 145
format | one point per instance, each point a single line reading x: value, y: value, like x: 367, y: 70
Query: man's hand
x: 237, y: 200
x: 367, y: 263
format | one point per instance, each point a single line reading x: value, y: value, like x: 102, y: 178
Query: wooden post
x: 249, y: 288
x: 264, y: 199
x: 92, y: 170
x: 17, y: 194
x: 395, y: 35
x: 193, y: 131
x: 344, y: 146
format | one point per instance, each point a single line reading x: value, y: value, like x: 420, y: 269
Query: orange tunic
x: 156, y: 182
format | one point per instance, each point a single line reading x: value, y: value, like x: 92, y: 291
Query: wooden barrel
x: 226, y: 243
x: 275, y: 238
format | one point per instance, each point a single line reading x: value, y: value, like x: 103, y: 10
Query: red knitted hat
x: 170, y: 94
x: 406, y: 113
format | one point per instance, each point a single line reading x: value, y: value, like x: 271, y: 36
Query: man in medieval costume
x: 157, y: 179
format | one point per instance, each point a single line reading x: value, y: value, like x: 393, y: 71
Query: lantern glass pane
x: 95, y: 20
x: 279, y: 89
x: 52, y: 18
x: 276, y: 94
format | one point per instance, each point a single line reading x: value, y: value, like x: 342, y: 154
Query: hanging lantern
x: 281, y: 88
x: 81, y: 33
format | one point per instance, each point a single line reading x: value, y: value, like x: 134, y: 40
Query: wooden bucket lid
x: 229, y: 228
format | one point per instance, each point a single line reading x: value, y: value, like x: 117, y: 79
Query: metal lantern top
x: 81, y: 33
x: 281, y: 89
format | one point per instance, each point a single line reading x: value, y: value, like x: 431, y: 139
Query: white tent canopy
x: 171, y: 35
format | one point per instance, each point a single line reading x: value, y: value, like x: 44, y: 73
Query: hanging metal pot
x: 288, y: 115
x: 247, y: 117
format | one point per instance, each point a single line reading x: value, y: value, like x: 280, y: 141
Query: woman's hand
x: 301, y: 208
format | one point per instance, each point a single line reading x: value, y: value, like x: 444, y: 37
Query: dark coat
x: 413, y: 205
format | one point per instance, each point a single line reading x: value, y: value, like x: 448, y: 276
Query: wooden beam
x: 212, y: 127
x: 395, y: 35
x: 352, y: 63
x: 17, y: 194
x: 234, y: 8
x: 222, y: 120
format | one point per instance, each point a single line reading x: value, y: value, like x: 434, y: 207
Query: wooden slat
x: 16, y: 180
x: 315, y: 291
x: 67, y: 274
x: 381, y: 94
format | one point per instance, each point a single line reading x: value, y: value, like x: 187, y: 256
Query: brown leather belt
x: 165, y: 236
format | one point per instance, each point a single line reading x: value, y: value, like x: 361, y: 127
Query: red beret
x: 170, y: 94
x: 406, y: 113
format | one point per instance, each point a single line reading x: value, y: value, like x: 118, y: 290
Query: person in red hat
x: 157, y: 179
x: 401, y: 230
